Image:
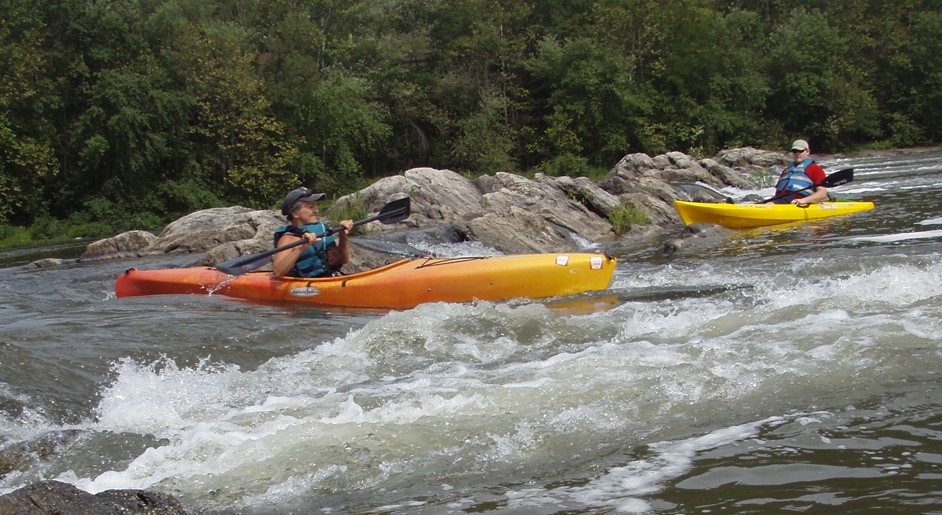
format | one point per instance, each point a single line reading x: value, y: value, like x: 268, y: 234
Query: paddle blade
x: 839, y: 177
x: 395, y: 211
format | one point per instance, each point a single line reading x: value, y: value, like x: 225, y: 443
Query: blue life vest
x: 313, y: 261
x: 794, y: 178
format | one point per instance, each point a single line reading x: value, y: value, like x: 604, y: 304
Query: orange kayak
x: 400, y: 285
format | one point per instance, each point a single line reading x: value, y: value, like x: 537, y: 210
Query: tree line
x: 126, y: 113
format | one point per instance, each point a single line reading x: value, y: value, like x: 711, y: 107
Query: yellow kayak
x: 400, y: 285
x: 745, y: 216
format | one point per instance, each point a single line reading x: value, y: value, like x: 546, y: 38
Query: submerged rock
x: 49, y: 497
x: 21, y: 456
x: 46, y: 263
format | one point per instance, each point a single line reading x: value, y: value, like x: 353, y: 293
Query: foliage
x: 571, y: 165
x: 134, y: 112
x: 625, y: 215
x: 354, y: 209
x: 27, y: 97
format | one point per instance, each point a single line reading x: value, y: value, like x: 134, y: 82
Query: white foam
x: 891, y: 238
x: 454, y: 250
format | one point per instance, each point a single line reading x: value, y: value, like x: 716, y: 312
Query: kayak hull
x: 746, y: 216
x: 400, y: 285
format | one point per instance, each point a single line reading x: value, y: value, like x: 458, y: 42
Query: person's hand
x: 346, y: 225
x: 311, y: 237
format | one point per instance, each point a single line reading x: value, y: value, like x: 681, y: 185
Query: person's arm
x: 340, y: 255
x: 284, y: 261
x: 819, y: 193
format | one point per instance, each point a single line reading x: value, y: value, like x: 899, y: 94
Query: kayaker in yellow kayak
x: 800, y: 182
x: 321, y: 256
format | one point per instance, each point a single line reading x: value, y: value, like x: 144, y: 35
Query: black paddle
x: 395, y: 211
x: 835, y: 179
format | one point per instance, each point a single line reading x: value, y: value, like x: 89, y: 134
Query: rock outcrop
x: 127, y: 244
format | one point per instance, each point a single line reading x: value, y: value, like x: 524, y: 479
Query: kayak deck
x: 746, y: 216
x: 400, y: 285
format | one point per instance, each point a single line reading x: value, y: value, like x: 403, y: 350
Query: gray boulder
x: 486, y: 209
x: 437, y: 197
x: 566, y: 214
x: 726, y: 175
x: 127, y: 244
x: 206, y: 229
x: 749, y: 157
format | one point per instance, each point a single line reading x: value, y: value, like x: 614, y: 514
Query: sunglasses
x: 796, y: 151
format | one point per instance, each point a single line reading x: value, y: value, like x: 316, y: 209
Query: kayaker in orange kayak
x: 321, y: 257
x: 800, y: 182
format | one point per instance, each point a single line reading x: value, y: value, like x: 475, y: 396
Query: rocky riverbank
x: 507, y: 212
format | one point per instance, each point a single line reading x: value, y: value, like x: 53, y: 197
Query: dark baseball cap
x: 301, y: 194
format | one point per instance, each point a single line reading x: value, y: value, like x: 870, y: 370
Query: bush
x: 354, y: 210
x: 13, y: 236
x: 48, y: 228
x: 625, y: 215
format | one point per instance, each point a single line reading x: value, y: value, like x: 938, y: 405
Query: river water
x: 782, y: 369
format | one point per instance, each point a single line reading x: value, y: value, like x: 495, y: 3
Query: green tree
x: 332, y: 111
x: 27, y: 159
x: 816, y: 90
x: 238, y: 144
x: 588, y: 102
x: 484, y: 143
x: 925, y: 106
x: 709, y: 89
x: 132, y: 132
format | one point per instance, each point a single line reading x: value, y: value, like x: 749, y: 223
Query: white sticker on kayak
x: 595, y: 262
x: 827, y: 206
x: 304, y: 291
x: 562, y: 260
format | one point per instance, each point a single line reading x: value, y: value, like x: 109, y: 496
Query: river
x: 782, y: 369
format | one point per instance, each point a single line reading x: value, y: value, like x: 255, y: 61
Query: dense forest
x: 126, y: 113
